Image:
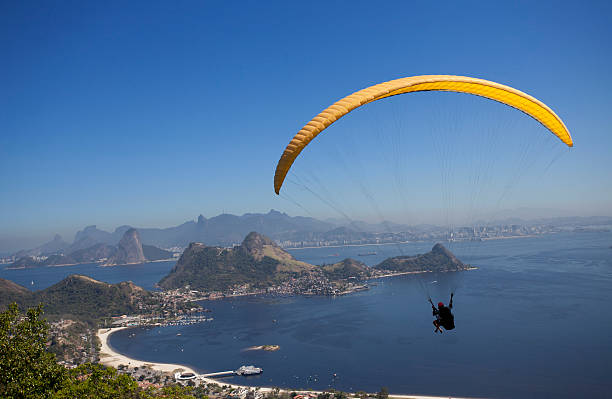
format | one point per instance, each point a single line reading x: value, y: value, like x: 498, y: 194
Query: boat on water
x: 367, y: 254
x: 249, y: 370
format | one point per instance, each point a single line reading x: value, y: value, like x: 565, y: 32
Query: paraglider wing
x: 461, y: 84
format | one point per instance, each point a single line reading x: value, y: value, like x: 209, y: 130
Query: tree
x: 176, y: 391
x: 383, y: 394
x: 96, y: 381
x: 27, y: 370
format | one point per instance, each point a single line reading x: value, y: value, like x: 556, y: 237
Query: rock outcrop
x: 439, y: 259
x: 258, y: 262
x: 129, y: 250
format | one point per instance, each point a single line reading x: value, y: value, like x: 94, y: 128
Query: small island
x: 269, y: 348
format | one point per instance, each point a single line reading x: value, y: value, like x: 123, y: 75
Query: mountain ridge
x: 258, y: 261
x: 77, y: 295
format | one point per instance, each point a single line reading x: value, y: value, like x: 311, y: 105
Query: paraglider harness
x: 444, y: 316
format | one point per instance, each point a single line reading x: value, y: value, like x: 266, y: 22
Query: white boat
x: 249, y: 370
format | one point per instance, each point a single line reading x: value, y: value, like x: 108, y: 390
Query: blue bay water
x: 145, y: 275
x: 532, y: 321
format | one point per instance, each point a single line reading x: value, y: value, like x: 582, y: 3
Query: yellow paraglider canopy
x: 461, y: 84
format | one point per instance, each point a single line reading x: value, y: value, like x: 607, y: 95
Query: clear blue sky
x: 150, y: 113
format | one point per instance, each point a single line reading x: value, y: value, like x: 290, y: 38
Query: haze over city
x: 151, y: 115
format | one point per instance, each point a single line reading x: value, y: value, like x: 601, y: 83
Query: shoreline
x: 100, y: 264
x: 418, y: 241
x: 394, y: 274
x: 112, y: 358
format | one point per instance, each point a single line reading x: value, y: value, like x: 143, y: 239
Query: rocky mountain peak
x: 255, y: 242
x: 441, y: 250
x: 129, y: 249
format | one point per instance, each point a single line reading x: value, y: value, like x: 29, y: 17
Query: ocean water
x: 145, y: 275
x: 532, y: 321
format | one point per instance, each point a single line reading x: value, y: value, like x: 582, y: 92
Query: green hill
x: 346, y: 269
x: 78, y: 297
x: 12, y: 292
x: 258, y: 261
x: 439, y: 259
x: 85, y: 298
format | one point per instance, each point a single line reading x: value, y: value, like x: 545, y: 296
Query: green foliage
x: 345, y: 269
x: 216, y: 269
x: 11, y: 292
x: 27, y: 370
x: 176, y: 391
x: 87, y: 299
x: 79, y: 297
x: 439, y: 259
x: 96, y: 381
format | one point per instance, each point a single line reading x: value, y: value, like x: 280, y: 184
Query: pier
x: 243, y: 370
x: 218, y: 374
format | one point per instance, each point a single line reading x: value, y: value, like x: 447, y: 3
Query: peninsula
x: 260, y: 266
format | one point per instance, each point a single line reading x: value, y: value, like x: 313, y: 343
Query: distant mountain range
x: 227, y: 230
x: 129, y: 250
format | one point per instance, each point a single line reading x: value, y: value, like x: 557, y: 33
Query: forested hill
x: 439, y: 259
x: 77, y: 296
x: 12, y: 292
x: 258, y: 261
x: 347, y: 268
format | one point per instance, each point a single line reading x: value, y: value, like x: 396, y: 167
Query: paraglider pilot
x: 444, y: 316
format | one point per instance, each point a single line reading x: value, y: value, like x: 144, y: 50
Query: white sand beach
x: 109, y: 357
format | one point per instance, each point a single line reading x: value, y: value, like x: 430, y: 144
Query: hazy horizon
x: 149, y: 114
x: 14, y: 242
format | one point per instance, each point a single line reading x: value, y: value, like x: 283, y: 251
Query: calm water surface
x: 532, y: 321
x: 145, y: 275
